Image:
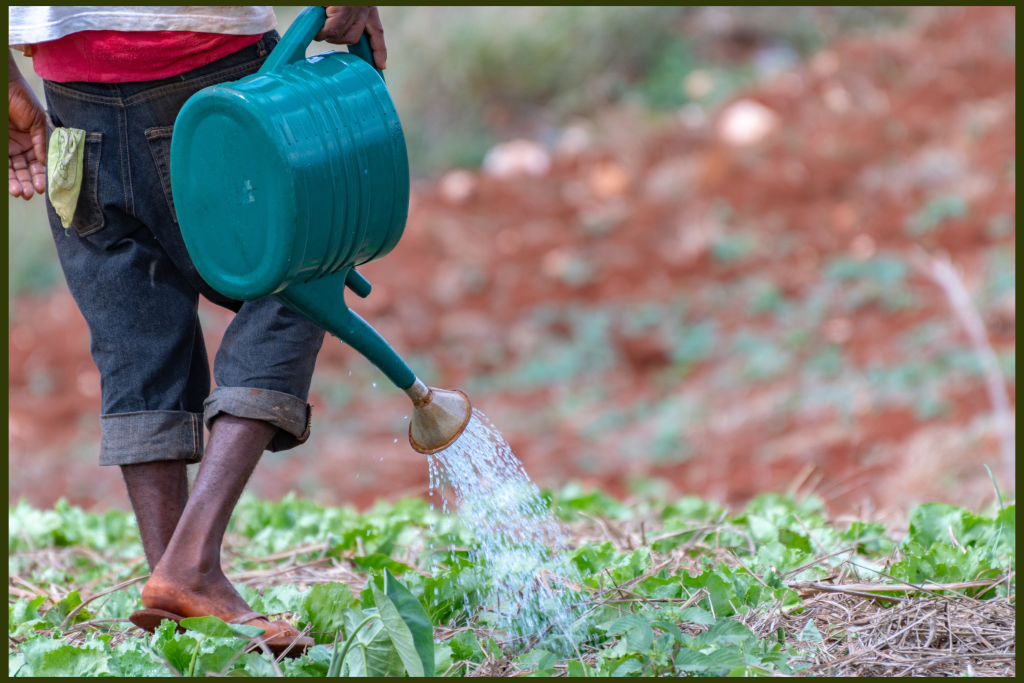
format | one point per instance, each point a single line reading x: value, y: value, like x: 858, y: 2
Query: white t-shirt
x: 38, y: 24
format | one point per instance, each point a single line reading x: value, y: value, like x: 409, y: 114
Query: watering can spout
x: 439, y: 417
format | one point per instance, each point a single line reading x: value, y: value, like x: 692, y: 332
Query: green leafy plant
x: 694, y: 615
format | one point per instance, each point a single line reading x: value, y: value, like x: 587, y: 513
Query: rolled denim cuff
x: 150, y: 436
x: 290, y: 414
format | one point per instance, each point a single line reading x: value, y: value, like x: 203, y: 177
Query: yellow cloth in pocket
x: 64, y: 162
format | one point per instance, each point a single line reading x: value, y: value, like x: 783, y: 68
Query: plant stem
x: 338, y: 658
x: 195, y: 654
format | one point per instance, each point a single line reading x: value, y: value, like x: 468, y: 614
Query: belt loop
x: 261, y: 46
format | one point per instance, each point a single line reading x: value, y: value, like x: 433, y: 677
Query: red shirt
x: 126, y: 56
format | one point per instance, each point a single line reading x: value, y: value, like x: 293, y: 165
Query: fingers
x: 25, y: 175
x: 375, y: 31
x: 19, y: 180
x: 39, y: 144
x: 13, y: 186
x: 355, y: 29
x: 39, y: 178
x: 339, y: 21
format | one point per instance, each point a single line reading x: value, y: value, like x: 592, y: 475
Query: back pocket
x: 88, y: 216
x: 160, y: 145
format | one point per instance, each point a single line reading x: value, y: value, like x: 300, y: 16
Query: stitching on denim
x: 131, y: 186
x: 146, y: 412
x: 76, y: 95
x: 161, y: 156
x: 93, y: 197
x: 196, y: 83
x: 201, y: 81
x: 122, y: 137
x: 158, y: 132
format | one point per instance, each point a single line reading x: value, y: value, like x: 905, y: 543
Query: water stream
x: 520, y: 546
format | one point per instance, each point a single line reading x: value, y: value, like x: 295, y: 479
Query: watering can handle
x: 299, y: 35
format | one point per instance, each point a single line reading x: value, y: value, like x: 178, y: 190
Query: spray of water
x: 531, y: 585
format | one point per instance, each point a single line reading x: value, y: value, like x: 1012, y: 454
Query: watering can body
x: 287, y: 179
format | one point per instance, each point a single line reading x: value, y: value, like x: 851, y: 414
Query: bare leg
x: 188, y: 580
x: 159, y: 492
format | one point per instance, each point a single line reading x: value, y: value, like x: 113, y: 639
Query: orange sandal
x: 292, y: 644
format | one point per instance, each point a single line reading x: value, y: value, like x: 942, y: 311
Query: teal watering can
x: 286, y: 180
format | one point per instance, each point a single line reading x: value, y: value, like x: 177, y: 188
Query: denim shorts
x: 127, y: 267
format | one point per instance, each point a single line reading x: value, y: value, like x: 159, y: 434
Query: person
x: 120, y: 75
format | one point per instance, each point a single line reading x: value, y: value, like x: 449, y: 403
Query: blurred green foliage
x: 775, y: 541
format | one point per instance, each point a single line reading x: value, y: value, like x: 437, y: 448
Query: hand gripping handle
x: 299, y: 35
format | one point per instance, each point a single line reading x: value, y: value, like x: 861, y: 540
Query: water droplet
x: 357, y: 476
x: 375, y: 384
x: 396, y: 440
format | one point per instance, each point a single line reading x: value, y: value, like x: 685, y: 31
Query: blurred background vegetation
x: 465, y: 78
x: 713, y: 284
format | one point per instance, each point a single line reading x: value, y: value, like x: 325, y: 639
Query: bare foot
x: 200, y: 596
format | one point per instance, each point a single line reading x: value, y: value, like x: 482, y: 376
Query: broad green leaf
x: 465, y: 646
x: 400, y: 635
x: 59, y: 612
x: 630, y: 666
x: 36, y: 648
x: 69, y: 661
x: 762, y: 530
x: 23, y: 616
x: 538, y: 660
x: 313, y: 664
x: 632, y: 566
x: 283, y: 599
x: 257, y: 665
x: 252, y: 598
x: 575, y: 669
x: 378, y: 561
x: 669, y: 628
x: 637, y: 630
x: 134, y: 663
x: 324, y: 607
x: 720, y: 591
x: 726, y: 630
x: 16, y: 663
x: 375, y: 656
x: 810, y: 633
x: 931, y: 522
x: 747, y: 672
x: 593, y: 558
x: 442, y: 658
x: 726, y: 658
x: 22, y: 611
x: 215, y: 655
x: 692, y: 660
x: 415, y: 618
x: 178, y: 652
x: 696, y: 615
x: 654, y: 587
x: 218, y: 628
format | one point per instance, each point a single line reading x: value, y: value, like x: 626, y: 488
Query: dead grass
x: 868, y: 627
